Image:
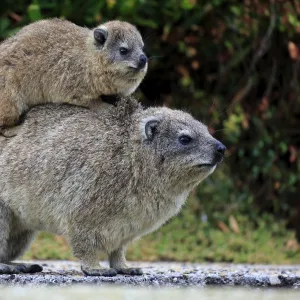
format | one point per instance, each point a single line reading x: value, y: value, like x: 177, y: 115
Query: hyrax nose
x: 220, y: 148
x: 142, y: 61
x: 220, y: 151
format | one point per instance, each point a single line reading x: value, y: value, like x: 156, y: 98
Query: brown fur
x: 57, y: 61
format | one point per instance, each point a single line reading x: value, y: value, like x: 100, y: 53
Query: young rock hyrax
x: 58, y: 61
x: 100, y: 181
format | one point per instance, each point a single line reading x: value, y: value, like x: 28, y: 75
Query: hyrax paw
x: 9, y: 132
x: 5, y: 269
x: 19, y: 268
x: 130, y: 271
x: 27, y: 268
x: 34, y: 268
x: 99, y: 272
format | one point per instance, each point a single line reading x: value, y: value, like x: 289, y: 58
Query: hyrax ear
x: 149, y: 127
x: 100, y: 35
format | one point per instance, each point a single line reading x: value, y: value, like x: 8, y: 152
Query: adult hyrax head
x: 122, y: 45
x: 185, y: 151
x: 101, y: 180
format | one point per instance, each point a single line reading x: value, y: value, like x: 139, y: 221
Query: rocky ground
x: 165, y: 274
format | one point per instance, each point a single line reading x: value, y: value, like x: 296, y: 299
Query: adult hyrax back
x: 58, y: 61
x: 101, y: 181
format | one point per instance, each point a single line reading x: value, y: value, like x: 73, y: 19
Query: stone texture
x: 166, y: 274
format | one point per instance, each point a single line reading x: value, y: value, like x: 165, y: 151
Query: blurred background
x: 235, y: 66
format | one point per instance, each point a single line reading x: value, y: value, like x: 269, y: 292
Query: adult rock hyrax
x: 100, y: 180
x: 57, y: 61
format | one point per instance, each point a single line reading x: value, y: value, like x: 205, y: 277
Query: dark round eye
x: 185, y: 139
x: 123, y: 50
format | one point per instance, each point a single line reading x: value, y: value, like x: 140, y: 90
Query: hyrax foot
x: 19, y: 268
x: 9, y: 132
x: 5, y: 269
x: 98, y: 272
x: 117, y: 261
x: 130, y: 271
x: 27, y: 268
x: 89, y: 259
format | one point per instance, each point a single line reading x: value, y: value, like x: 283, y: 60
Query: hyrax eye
x: 185, y: 139
x: 123, y: 50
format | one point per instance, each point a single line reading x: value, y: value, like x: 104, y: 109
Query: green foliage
x: 34, y: 12
x: 228, y: 63
x: 48, y: 246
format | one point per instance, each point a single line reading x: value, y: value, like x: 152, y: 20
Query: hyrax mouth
x: 136, y: 70
x: 207, y: 165
x: 217, y: 161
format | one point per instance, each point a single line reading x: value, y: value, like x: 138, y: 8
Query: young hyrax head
x: 123, y: 46
x: 183, y: 144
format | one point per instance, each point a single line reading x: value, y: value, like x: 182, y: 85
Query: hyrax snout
x: 101, y: 180
x: 59, y: 62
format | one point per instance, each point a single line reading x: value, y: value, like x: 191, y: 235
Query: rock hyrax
x: 58, y: 61
x: 100, y: 181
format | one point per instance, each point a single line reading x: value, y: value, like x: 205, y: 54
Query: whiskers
x: 217, y: 130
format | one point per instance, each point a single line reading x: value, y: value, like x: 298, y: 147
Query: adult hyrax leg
x: 85, y: 250
x: 117, y: 261
x: 9, y: 116
x: 13, y: 242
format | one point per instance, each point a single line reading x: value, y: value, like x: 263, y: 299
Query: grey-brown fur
x: 101, y: 181
x: 60, y: 62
